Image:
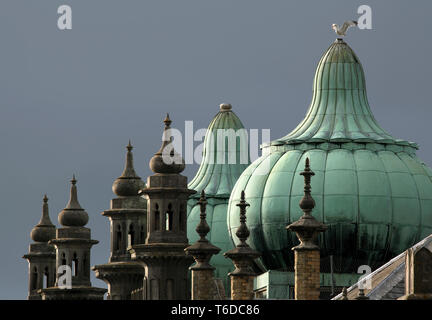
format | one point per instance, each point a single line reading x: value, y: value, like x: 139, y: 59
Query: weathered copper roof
x: 370, y: 189
x: 339, y: 111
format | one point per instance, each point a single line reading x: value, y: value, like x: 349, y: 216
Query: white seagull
x: 342, y: 31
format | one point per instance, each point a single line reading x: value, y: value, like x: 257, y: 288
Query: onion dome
x: 370, y: 189
x: 217, y: 180
x: 167, y: 160
x: 44, y: 231
x: 129, y: 183
x: 73, y: 215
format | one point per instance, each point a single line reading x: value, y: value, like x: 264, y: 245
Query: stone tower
x: 128, y: 226
x: 166, y: 263
x: 41, y: 256
x: 73, y: 243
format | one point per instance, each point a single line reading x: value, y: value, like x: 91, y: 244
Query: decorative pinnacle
x: 307, y: 203
x: 129, y: 171
x: 167, y: 121
x: 166, y: 160
x: 44, y: 230
x: 45, y: 219
x: 129, y: 147
x: 73, y: 200
x: 73, y: 181
x: 203, y: 228
x: 344, y: 293
x: 225, y: 107
x: 307, y: 227
x: 242, y: 231
x: 361, y: 295
x: 73, y: 215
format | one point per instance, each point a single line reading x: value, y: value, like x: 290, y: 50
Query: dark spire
x: 307, y: 203
x: 129, y: 171
x: 129, y: 183
x: 203, y: 228
x: 44, y: 230
x: 167, y: 160
x: 242, y: 255
x: 307, y: 227
x: 73, y: 215
x: 202, y: 250
x: 242, y: 231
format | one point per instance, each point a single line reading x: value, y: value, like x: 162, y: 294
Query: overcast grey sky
x: 70, y: 100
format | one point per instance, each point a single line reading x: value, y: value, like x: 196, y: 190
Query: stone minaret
x: 41, y: 256
x: 73, y: 243
x: 242, y: 256
x: 203, y: 282
x: 127, y: 217
x: 166, y: 263
x: 307, y: 253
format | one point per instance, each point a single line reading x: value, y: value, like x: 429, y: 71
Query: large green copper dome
x: 370, y: 189
x: 217, y: 180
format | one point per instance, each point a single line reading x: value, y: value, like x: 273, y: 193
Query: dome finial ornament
x: 307, y: 203
x: 44, y: 230
x: 167, y: 121
x: 73, y: 215
x: 167, y: 160
x: 343, y: 30
x: 243, y: 232
x: 129, y: 183
x: 203, y: 228
x: 225, y: 107
x: 307, y: 227
x: 129, y: 147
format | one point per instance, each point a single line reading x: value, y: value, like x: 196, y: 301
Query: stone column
x: 307, y: 253
x: 242, y: 256
x: 203, y: 282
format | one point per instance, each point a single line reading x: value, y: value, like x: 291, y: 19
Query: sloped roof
x: 388, y: 281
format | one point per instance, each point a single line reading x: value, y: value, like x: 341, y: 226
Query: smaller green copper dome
x: 217, y: 180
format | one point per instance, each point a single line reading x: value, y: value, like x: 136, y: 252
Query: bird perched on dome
x: 342, y: 31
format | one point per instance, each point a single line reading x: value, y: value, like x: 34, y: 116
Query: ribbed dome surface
x: 370, y: 189
x: 217, y: 180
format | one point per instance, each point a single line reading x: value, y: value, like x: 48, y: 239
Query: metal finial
x: 225, y: 107
x: 307, y: 203
x: 73, y: 181
x: 203, y: 228
x: 129, y: 147
x: 45, y: 198
x: 242, y: 231
x: 167, y: 121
